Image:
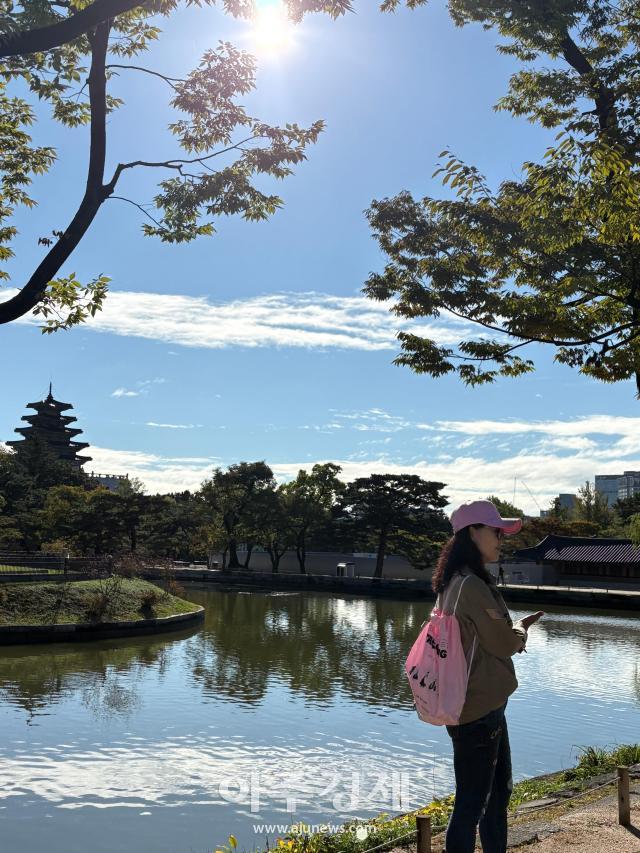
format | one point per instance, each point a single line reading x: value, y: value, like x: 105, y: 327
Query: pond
x: 284, y: 707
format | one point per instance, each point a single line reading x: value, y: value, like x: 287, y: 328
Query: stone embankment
x: 410, y: 589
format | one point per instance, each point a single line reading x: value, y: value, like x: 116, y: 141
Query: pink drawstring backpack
x: 437, y: 668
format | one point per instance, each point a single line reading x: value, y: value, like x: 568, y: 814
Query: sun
x: 271, y: 30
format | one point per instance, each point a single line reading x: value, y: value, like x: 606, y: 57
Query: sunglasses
x: 498, y: 531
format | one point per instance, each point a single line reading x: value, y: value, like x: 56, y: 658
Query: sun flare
x: 271, y: 31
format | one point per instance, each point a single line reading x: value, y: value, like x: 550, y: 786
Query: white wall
x: 324, y: 563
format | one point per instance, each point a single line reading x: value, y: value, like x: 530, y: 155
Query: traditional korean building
x: 52, y: 426
x: 567, y: 558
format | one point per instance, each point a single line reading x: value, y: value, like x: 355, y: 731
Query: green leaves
x: 551, y: 256
x: 67, y: 302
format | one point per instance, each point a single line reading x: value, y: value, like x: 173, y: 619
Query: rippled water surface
x: 284, y: 705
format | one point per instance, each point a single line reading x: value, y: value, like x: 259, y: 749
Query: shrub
x: 128, y: 566
x: 97, y: 606
x: 148, y: 602
x: 105, y: 598
x: 595, y: 759
x: 174, y: 588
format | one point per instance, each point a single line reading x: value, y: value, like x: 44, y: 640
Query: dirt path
x: 587, y: 824
x: 586, y: 828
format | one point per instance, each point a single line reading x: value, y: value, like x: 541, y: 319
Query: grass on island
x: 393, y: 832
x: 114, y: 599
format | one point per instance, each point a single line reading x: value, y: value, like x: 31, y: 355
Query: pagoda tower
x: 52, y: 426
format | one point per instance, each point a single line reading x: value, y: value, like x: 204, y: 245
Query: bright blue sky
x: 257, y: 343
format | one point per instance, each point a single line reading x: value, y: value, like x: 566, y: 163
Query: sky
x: 257, y: 343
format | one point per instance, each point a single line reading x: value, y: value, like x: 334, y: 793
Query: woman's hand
x: 528, y: 621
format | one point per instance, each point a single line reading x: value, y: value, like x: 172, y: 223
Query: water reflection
x: 105, y: 675
x: 317, y: 646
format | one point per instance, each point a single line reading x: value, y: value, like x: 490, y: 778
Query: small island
x: 92, y: 609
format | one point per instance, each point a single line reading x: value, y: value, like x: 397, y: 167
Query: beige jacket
x: 489, y: 639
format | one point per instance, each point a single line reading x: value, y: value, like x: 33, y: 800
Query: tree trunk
x: 133, y: 538
x: 95, y: 193
x: 274, y: 556
x: 248, y: 557
x: 301, y: 554
x: 382, y: 544
x: 224, y: 558
x: 234, y: 562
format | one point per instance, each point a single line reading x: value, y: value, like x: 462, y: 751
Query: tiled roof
x: 577, y: 549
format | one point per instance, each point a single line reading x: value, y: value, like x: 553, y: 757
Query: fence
x: 23, y: 563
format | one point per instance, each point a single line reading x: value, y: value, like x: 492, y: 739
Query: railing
x: 22, y: 563
x: 574, y: 588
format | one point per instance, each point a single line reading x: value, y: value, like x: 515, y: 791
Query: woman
x: 481, y: 752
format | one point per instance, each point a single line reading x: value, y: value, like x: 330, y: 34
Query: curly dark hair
x: 458, y: 553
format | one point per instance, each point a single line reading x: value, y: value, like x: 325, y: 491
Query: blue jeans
x: 482, y: 764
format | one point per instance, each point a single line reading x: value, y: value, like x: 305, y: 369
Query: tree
x: 551, y: 257
x: 231, y: 498
x: 46, y: 47
x: 132, y: 507
x: 634, y: 529
x: 88, y: 521
x: 309, y: 500
x: 10, y: 536
x: 626, y: 507
x: 212, y: 536
x: 274, y: 531
x: 506, y: 509
x: 592, y: 506
x: 171, y: 527
x: 26, y: 476
x: 556, y: 510
x: 384, y: 505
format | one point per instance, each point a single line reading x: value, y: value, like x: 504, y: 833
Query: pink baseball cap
x: 483, y: 512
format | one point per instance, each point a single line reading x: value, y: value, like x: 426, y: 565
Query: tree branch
x: 55, y: 35
x: 94, y: 195
x: 604, y: 98
x: 528, y: 339
x: 175, y: 163
x: 139, y: 206
x: 169, y: 80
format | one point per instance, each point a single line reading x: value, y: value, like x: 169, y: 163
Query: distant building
x: 108, y: 481
x: 618, y: 486
x: 565, y: 501
x: 53, y: 428
x: 50, y: 425
x: 571, y: 558
x: 629, y: 485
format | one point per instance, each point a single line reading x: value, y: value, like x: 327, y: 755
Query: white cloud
x: 172, y: 426
x: 143, y: 385
x: 538, y: 476
x: 123, y: 392
x: 159, y: 473
x: 577, y: 442
x: 587, y: 425
x: 312, y: 320
x: 374, y: 420
x: 159, y: 380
